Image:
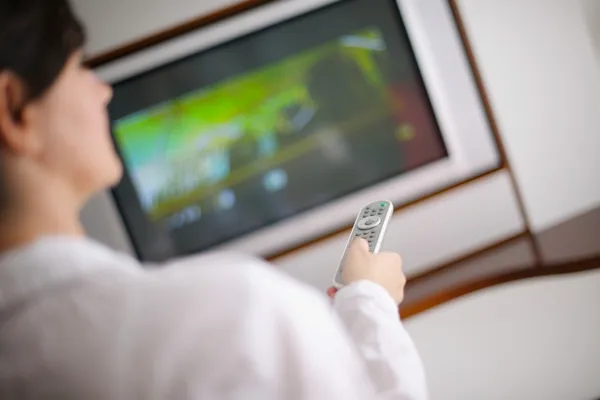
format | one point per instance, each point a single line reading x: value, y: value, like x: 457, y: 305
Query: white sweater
x: 79, y: 321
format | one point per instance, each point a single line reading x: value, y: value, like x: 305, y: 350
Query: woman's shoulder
x: 230, y: 272
x: 232, y: 285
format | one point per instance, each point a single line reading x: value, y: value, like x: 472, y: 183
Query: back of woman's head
x: 37, y: 37
x: 54, y: 131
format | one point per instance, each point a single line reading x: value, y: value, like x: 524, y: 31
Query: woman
x: 78, y: 321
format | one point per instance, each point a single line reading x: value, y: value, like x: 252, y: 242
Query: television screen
x: 270, y: 125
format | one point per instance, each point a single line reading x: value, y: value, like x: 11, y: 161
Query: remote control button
x: 369, y: 223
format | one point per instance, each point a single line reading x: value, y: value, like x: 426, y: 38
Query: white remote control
x: 371, y: 224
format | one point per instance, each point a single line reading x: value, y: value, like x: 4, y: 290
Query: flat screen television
x: 275, y: 126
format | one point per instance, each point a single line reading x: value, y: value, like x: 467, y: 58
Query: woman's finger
x: 331, y: 292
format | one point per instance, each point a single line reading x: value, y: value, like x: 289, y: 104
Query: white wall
x: 537, y: 62
x: 112, y: 23
x: 531, y: 340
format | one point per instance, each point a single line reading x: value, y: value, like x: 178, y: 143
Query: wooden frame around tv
x: 247, y: 5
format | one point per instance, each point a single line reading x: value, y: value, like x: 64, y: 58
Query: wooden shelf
x: 572, y: 246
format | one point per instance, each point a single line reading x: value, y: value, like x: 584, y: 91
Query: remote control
x: 371, y: 224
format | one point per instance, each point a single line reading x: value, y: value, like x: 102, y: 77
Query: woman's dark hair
x: 37, y: 37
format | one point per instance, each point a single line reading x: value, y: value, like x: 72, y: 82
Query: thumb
x: 359, y: 245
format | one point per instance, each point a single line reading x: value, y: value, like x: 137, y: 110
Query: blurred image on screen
x: 275, y: 140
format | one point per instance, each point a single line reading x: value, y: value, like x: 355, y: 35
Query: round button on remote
x: 369, y: 223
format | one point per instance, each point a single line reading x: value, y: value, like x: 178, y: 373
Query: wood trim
x: 485, y: 98
x: 570, y: 247
x: 538, y: 271
x: 402, y: 208
x: 175, y: 31
x: 471, y: 256
x: 478, y: 78
x: 247, y: 5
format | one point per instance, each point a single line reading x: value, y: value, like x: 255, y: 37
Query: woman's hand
x: 384, y: 269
